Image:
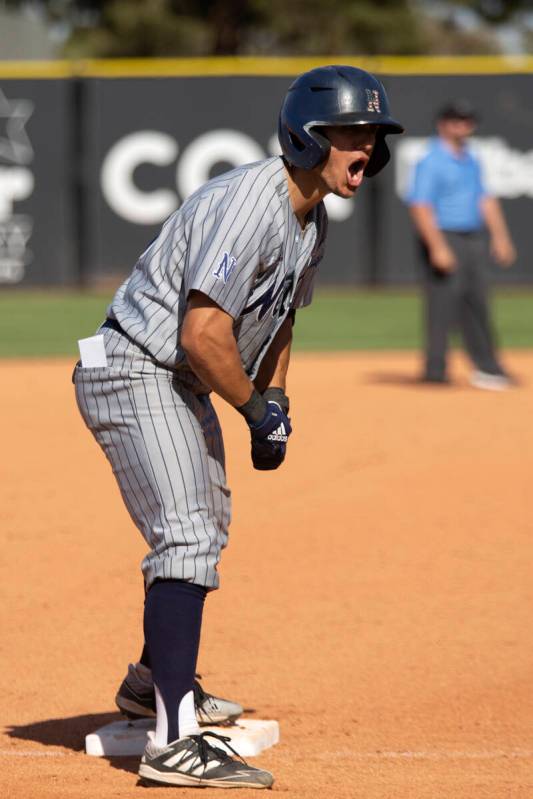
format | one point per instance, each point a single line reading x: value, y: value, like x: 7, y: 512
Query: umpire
x: 452, y: 213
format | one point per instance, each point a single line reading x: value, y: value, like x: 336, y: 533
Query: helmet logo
x: 373, y: 102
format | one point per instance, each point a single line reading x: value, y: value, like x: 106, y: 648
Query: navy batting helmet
x: 333, y: 95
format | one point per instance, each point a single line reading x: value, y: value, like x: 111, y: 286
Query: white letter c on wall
x: 129, y: 202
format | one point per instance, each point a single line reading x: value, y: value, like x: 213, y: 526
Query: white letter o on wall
x: 214, y: 147
x: 141, y: 207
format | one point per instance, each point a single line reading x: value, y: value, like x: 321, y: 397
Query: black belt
x: 114, y: 325
x: 464, y: 233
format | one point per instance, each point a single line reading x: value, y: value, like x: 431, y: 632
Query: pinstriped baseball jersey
x: 238, y: 241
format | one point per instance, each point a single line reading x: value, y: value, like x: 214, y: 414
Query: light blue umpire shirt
x: 452, y: 184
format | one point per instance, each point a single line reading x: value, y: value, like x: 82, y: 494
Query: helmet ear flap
x: 305, y: 148
x: 379, y: 158
x: 323, y: 143
x: 296, y: 142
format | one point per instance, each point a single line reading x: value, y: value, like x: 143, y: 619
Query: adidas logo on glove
x: 279, y: 434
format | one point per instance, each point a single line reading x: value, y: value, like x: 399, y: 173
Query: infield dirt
x: 376, y: 599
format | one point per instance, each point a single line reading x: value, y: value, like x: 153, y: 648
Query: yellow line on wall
x: 35, y: 69
x: 228, y: 65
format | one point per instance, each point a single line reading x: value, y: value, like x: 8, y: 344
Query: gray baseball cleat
x: 194, y: 762
x: 136, y: 699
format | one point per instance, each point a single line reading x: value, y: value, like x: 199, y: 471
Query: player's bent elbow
x: 205, y: 331
x: 192, y: 349
x: 192, y: 332
x: 187, y: 339
x: 198, y: 342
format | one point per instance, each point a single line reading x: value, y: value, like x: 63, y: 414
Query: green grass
x: 49, y: 323
x: 392, y: 319
x: 46, y: 323
x: 359, y: 320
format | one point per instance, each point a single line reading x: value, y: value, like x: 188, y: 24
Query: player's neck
x: 304, y: 193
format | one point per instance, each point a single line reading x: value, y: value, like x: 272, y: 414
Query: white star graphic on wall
x: 15, y: 146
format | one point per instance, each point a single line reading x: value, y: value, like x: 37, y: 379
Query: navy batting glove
x: 267, y: 456
x: 269, y: 438
x: 270, y: 428
x: 275, y: 394
x: 274, y: 426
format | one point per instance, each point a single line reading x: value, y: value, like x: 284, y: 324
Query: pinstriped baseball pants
x: 165, y: 447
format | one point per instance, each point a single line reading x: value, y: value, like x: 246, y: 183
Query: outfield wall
x: 93, y: 157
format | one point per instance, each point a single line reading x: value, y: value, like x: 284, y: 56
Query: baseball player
x: 210, y: 306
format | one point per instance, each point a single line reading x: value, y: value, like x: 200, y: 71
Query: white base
x: 124, y: 738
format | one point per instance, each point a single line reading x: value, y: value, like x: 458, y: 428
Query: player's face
x: 351, y: 148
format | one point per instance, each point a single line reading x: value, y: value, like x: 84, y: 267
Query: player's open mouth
x: 355, y: 172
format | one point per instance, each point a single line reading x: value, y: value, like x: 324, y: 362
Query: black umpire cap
x: 458, y: 109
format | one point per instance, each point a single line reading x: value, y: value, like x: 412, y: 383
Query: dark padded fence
x: 38, y: 214
x: 89, y: 168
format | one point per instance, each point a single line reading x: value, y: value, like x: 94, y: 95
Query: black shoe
x: 192, y: 761
x: 136, y: 699
x: 212, y: 709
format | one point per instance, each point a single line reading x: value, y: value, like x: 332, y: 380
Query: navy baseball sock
x: 145, y: 658
x: 145, y: 655
x: 172, y: 623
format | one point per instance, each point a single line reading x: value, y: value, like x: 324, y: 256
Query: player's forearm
x: 211, y: 349
x: 426, y: 227
x: 218, y: 364
x: 275, y: 364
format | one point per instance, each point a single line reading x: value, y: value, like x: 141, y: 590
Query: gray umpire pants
x: 459, y: 300
x: 165, y: 447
